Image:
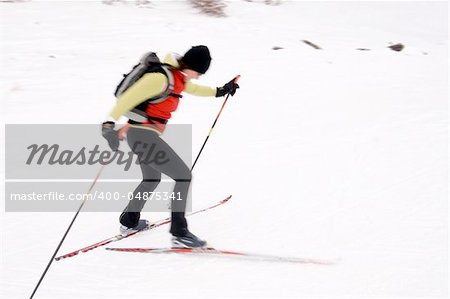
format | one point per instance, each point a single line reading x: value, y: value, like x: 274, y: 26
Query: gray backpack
x: 149, y: 63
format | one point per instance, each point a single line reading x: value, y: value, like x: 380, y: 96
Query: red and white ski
x: 228, y: 253
x: 120, y: 237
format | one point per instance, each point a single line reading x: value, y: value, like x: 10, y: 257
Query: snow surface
x: 332, y: 153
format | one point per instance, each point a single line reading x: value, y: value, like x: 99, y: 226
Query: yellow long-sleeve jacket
x: 154, y: 84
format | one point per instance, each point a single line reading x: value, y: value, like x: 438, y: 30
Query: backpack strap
x: 138, y: 117
x: 170, y: 86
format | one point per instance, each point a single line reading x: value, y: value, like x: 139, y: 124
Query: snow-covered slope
x: 332, y: 153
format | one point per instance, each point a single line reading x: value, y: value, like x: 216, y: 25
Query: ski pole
x: 215, y: 121
x: 67, y: 231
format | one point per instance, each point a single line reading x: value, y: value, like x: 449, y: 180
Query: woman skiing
x: 148, y: 103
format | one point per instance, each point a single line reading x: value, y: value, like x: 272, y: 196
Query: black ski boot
x: 187, y: 240
x: 142, y: 225
x: 131, y: 223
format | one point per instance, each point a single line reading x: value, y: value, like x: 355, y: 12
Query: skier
x: 147, y: 121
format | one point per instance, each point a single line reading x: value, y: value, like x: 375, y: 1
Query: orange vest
x: 164, y: 109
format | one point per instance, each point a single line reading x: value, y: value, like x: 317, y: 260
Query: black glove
x: 229, y: 88
x: 111, y: 135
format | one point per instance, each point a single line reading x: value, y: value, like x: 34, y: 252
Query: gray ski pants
x: 146, y: 144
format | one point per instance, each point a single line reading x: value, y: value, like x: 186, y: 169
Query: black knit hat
x: 197, y: 59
